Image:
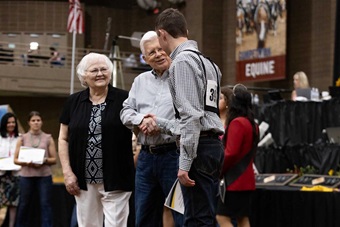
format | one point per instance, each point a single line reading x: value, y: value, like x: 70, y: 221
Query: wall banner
x: 261, y: 40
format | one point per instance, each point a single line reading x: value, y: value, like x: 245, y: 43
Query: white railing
x: 18, y: 54
x: 25, y: 71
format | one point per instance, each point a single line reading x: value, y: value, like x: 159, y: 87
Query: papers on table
x: 7, y: 164
x: 175, y: 198
x: 30, y: 154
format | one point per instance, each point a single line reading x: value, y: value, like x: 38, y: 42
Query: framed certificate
x: 30, y: 154
x: 310, y: 180
x: 274, y: 179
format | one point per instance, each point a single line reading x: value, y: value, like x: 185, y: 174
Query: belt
x: 209, y: 134
x: 159, y: 149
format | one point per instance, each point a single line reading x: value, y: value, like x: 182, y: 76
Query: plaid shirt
x: 188, y: 84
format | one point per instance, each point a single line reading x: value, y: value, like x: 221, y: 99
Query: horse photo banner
x: 261, y: 40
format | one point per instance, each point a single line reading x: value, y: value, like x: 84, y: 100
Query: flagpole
x: 72, y: 66
x: 73, y: 47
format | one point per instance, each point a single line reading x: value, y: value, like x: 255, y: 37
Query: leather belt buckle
x: 150, y: 149
x: 159, y: 149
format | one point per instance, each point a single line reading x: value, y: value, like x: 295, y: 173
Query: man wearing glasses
x: 157, y: 163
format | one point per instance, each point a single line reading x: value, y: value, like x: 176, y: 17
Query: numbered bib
x: 211, y: 95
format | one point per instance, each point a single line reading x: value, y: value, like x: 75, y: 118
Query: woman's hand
x: 34, y: 165
x: 71, y: 183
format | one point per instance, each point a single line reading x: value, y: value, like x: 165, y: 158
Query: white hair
x: 84, y: 64
x: 147, y: 37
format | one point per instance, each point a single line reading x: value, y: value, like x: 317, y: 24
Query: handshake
x: 148, y: 125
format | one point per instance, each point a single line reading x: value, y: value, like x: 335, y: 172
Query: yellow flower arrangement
x: 331, y: 172
x: 337, y: 83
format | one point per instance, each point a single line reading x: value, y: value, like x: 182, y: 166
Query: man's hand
x: 148, y: 126
x: 183, y: 177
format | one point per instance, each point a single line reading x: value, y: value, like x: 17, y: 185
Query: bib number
x: 211, y: 95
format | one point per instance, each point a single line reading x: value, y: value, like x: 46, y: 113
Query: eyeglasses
x: 94, y: 72
x: 153, y: 52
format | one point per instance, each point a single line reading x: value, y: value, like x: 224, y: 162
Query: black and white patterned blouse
x: 94, y: 154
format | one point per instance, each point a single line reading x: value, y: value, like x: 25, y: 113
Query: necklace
x: 35, y: 145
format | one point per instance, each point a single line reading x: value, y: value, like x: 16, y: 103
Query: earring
x: 226, y: 107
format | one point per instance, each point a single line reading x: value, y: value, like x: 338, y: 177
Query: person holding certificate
x: 194, y: 83
x: 9, y: 179
x: 35, y: 175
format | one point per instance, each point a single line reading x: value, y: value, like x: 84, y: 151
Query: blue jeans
x: 201, y: 200
x: 28, y: 185
x: 155, y: 175
x: 74, y: 222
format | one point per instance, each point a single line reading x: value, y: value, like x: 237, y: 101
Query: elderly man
x: 157, y: 163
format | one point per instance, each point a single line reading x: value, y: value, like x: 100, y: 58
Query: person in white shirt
x: 157, y: 162
x: 9, y: 179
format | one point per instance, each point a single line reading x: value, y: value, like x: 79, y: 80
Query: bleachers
x: 32, y: 73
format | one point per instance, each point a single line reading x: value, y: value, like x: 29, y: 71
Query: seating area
x: 20, y: 54
x: 53, y: 77
x: 6, y: 55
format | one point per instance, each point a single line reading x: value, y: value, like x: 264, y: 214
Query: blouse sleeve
x: 233, y: 148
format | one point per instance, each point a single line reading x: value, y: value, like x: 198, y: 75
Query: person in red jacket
x: 241, y: 137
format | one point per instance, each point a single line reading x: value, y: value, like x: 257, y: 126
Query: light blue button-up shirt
x: 149, y: 94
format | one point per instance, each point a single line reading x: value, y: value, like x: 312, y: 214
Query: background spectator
x: 33, y: 176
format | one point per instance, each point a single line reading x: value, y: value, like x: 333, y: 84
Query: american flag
x: 75, y: 20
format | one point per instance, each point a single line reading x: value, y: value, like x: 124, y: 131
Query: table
x: 296, y: 128
x: 290, y: 207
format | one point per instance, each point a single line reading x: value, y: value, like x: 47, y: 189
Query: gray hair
x: 84, y: 64
x: 147, y: 37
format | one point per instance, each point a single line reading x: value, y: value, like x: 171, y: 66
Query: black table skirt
x: 322, y: 157
x: 294, y: 208
x: 293, y: 123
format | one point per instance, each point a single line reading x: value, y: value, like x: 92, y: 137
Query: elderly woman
x: 95, y: 148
